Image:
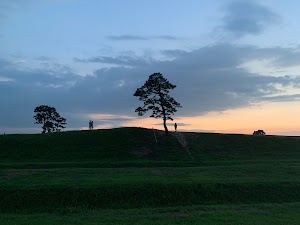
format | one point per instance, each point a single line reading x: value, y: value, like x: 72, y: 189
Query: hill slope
x: 127, y: 144
x: 121, y: 144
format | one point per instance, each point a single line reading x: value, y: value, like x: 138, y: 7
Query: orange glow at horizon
x: 274, y: 118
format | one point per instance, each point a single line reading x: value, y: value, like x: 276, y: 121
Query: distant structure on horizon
x: 259, y: 132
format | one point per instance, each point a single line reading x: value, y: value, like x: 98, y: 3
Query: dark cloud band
x: 207, y: 79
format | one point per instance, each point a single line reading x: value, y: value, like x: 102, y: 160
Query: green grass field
x: 122, y: 176
x: 258, y: 214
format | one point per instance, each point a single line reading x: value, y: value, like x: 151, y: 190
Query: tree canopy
x: 50, y: 118
x: 155, y: 95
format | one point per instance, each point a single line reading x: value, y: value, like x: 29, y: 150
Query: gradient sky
x: 235, y: 63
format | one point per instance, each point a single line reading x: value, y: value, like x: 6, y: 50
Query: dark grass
x: 49, y: 189
x: 70, y: 177
x: 125, y: 168
x: 242, y: 147
x: 242, y: 214
x: 132, y: 144
x: 120, y: 144
x: 141, y: 163
x: 145, y: 195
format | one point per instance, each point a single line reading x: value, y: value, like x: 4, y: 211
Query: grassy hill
x: 123, y: 169
x: 136, y: 144
x: 121, y: 144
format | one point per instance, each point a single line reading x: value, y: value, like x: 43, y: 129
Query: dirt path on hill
x: 182, y: 140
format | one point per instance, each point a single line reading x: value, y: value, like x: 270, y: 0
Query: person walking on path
x: 175, y: 126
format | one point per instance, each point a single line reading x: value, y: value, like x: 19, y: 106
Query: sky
x: 236, y: 64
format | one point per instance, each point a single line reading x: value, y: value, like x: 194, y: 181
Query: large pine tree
x: 155, y: 95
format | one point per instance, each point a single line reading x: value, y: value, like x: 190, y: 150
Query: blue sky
x: 86, y: 58
x: 66, y: 29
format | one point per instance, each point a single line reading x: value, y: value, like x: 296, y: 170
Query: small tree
x: 155, y: 95
x: 50, y: 118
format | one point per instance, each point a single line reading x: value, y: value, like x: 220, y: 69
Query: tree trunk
x: 44, y: 126
x: 166, y: 128
x: 164, y: 112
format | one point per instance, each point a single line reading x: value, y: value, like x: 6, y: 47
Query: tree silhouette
x: 50, y: 118
x: 59, y: 123
x: 155, y: 95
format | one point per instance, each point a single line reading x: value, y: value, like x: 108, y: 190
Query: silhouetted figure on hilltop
x: 175, y: 126
x: 91, y: 125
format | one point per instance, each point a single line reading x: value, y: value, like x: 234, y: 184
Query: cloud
x: 209, y: 74
x: 124, y: 60
x: 103, y: 121
x: 281, y: 98
x: 110, y: 117
x: 5, y: 79
x: 208, y: 79
x: 45, y: 58
x: 166, y: 37
x: 141, y: 38
x: 28, y: 89
x: 247, y: 17
x: 283, y: 57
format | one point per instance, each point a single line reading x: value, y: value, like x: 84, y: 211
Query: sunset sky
x: 236, y: 64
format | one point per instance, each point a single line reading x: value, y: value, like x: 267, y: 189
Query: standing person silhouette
x: 175, y: 126
x: 92, y: 124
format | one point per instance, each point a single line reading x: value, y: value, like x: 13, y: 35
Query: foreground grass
x: 105, y: 176
x: 252, y: 214
x: 101, y: 177
x: 48, y: 189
